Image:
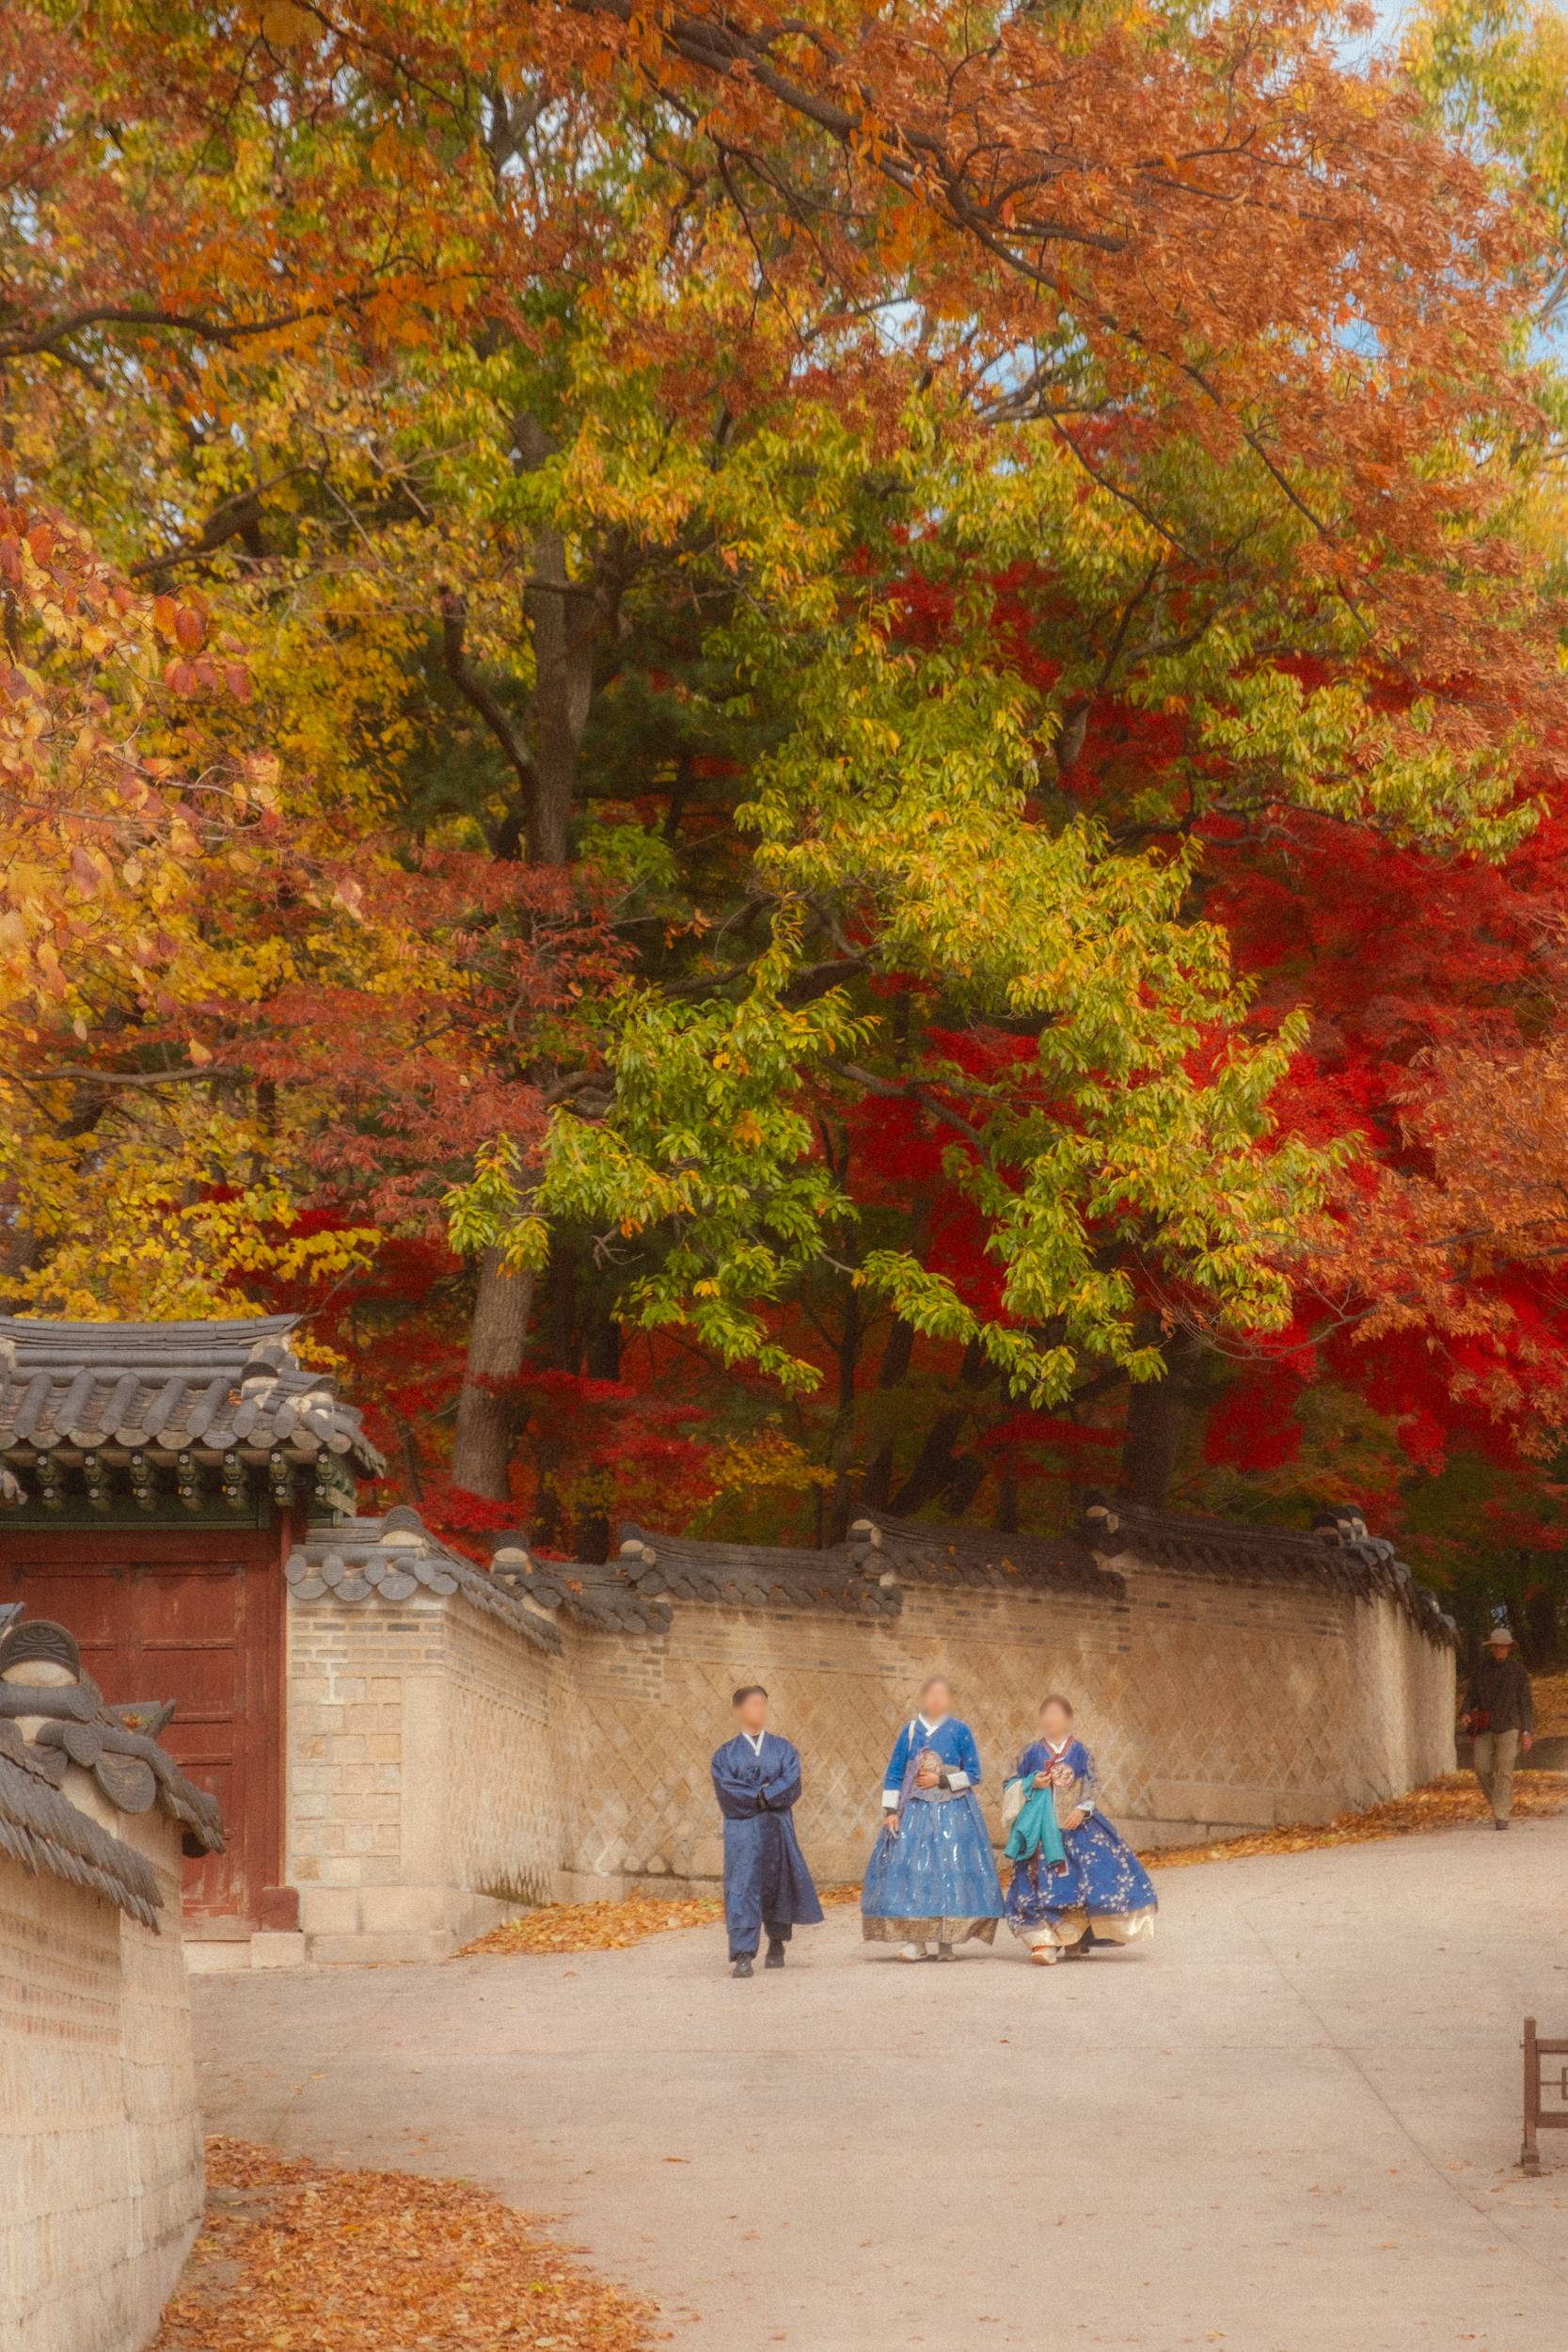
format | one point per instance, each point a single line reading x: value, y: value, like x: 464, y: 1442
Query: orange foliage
x: 1448, y: 1803
x: 300, y: 2257
x: 609, y: 1927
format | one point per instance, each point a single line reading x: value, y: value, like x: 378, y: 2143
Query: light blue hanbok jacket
x: 954, y: 1742
x: 935, y: 1878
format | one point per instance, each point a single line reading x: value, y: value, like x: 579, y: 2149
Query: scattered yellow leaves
x: 611, y: 1926
x: 1447, y: 1803
x: 614, y: 1927
x: 607, y: 1926
x: 298, y: 2257
x: 1551, y: 1705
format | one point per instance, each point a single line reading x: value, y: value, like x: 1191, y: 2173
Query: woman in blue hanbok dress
x: 931, y: 1883
x: 1100, y: 1894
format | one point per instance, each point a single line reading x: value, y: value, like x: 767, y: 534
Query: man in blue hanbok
x: 757, y: 1778
x: 931, y: 1883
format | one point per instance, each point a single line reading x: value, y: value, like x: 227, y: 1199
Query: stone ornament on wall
x: 395, y: 1559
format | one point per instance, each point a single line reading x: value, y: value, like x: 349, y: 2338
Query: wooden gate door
x: 193, y: 1616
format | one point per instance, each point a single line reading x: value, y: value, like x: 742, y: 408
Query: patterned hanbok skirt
x: 936, y: 1882
x: 1105, y: 1893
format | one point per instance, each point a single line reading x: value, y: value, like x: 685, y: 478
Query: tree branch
x: 455, y: 618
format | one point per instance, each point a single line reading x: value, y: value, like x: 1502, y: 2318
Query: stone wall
x: 100, y: 2174
x: 1211, y: 1711
x: 421, y: 1798
x: 642, y: 1810
x: 461, y: 1746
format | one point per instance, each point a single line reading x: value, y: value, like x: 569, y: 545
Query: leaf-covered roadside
x: 609, y: 1927
x: 299, y: 2257
x: 1446, y: 1803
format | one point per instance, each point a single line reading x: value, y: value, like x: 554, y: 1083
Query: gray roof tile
x: 918, y: 1551
x: 165, y: 1388
x: 1340, y: 1558
x: 40, y: 1826
x: 392, y: 1559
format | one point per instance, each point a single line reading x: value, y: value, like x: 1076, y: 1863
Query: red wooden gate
x: 196, y: 1616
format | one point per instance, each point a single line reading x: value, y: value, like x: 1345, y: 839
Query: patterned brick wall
x: 99, y: 2139
x: 501, y: 1789
x: 636, y: 1763
x: 1210, y: 1707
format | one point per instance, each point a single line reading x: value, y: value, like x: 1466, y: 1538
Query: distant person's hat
x: 1500, y: 1637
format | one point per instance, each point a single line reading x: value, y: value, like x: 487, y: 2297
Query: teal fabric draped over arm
x: 1036, y: 1831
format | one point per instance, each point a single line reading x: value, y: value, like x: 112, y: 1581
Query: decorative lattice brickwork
x: 501, y: 1792
x: 99, y: 2139
x: 1209, y: 1706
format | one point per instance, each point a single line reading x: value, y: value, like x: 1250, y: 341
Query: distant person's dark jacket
x: 1500, y: 1687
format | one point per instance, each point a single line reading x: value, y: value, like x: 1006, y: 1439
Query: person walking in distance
x: 1499, y: 1716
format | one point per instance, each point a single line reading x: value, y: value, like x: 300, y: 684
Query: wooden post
x: 1530, y: 2154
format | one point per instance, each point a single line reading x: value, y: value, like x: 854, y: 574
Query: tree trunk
x: 1156, y: 1419
x: 876, y: 1484
x: 591, y: 1534
x: 842, y: 1453
x: 940, y: 1474
x: 897, y: 1356
x: 487, y: 1422
x: 565, y: 626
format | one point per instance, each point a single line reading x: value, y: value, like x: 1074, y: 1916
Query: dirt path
x: 1286, y: 2127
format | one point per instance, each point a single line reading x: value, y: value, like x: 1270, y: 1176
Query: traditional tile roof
x: 597, y: 1596
x: 392, y: 1559
x: 43, y: 1831
x: 51, y: 1716
x: 1337, y: 1553
x: 757, y: 1576
x: 918, y: 1552
x: 862, y: 1577
x: 116, y: 1390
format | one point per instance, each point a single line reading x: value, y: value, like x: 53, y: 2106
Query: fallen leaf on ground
x: 611, y: 1926
x: 1447, y: 1803
x: 300, y: 2257
x: 1551, y: 1705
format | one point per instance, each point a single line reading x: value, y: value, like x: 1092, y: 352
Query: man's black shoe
x: 775, y: 1956
x: 741, y: 1968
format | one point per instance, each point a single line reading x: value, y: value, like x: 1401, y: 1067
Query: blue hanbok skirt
x: 936, y: 1882
x: 1104, y: 1892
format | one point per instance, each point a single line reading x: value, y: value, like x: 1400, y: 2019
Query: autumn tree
x: 767, y: 549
